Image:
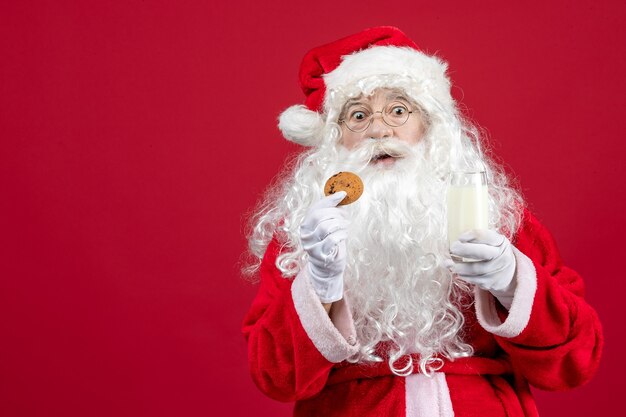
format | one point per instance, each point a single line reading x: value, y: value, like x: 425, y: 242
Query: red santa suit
x: 550, y: 338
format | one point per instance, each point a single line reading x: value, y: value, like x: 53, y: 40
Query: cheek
x: 349, y: 139
x: 413, y: 133
x: 409, y: 137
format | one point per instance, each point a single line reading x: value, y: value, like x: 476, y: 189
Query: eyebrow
x: 396, y: 96
x: 390, y: 96
x: 352, y: 101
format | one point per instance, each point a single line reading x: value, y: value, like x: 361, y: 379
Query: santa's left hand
x: 492, y: 263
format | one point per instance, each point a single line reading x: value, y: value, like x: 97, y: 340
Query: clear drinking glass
x: 468, y: 203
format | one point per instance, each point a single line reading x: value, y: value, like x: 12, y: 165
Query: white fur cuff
x: 336, y: 338
x: 521, y: 307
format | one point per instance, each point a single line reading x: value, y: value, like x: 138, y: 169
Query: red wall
x: 124, y: 179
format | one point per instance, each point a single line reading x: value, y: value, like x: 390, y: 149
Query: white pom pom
x: 301, y: 125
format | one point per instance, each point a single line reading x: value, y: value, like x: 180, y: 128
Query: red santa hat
x: 376, y: 57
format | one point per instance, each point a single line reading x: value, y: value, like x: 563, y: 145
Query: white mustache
x: 371, y: 149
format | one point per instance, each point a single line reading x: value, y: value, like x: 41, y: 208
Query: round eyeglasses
x: 359, y: 117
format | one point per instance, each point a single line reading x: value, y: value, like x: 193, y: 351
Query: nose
x: 378, y: 129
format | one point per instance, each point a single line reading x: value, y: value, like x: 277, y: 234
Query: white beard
x: 395, y: 282
x: 403, y: 299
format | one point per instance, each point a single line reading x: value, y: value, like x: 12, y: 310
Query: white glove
x: 323, y: 235
x: 494, y: 266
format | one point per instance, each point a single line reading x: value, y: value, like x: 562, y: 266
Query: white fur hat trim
x: 428, y: 73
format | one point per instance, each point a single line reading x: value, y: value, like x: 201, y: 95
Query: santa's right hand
x: 323, y: 235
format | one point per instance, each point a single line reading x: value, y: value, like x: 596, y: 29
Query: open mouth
x: 382, y: 158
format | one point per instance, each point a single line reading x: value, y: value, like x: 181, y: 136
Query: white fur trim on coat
x: 428, y: 396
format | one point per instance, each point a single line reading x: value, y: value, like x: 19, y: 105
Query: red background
x: 125, y: 178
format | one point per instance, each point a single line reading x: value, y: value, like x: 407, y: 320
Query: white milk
x: 468, y: 208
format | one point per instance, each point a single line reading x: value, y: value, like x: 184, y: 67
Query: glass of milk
x: 468, y: 204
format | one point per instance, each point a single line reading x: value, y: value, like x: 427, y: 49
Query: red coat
x: 550, y: 338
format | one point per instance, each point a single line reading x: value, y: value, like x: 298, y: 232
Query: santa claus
x: 367, y: 309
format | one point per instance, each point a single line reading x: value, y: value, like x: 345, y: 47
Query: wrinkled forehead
x: 382, y: 94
